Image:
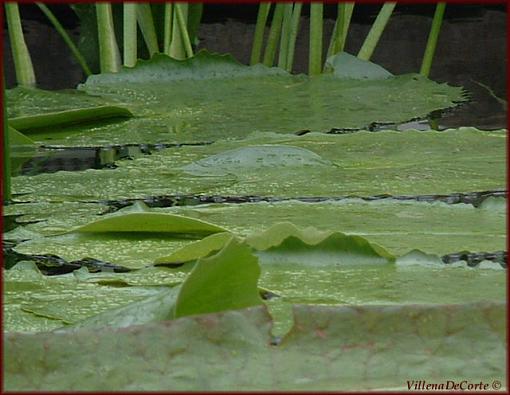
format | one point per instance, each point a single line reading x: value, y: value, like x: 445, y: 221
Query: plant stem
x: 339, y: 35
x: 315, y: 54
x: 60, y: 29
x: 6, y: 154
x: 260, y: 28
x: 274, y: 35
x: 368, y: 47
x: 25, y: 75
x: 109, y: 56
x: 177, y: 46
x: 168, y: 28
x: 294, y: 26
x: 130, y: 34
x: 428, y: 56
x: 195, y: 11
x: 284, y: 39
x: 183, y: 27
x: 146, y: 23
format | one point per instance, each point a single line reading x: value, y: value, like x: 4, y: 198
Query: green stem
x: 146, y: 23
x: 294, y: 27
x: 109, y: 56
x: 6, y: 154
x: 168, y: 27
x: 274, y: 35
x: 428, y: 56
x: 177, y: 50
x: 130, y: 34
x: 347, y: 15
x: 368, y: 47
x: 183, y: 27
x: 315, y: 53
x: 60, y: 29
x: 25, y: 75
x: 284, y: 39
x: 195, y: 11
x: 260, y: 28
x: 343, y: 21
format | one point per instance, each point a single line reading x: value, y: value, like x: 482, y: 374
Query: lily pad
x: 251, y: 158
x: 365, y: 164
x: 329, y: 348
x: 65, y: 118
x: 284, y: 243
x: 225, y: 281
x: 149, y: 223
x: 171, y: 107
x: 345, y: 65
x: 195, y: 250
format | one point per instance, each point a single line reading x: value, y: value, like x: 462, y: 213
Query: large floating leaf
x: 344, y: 65
x: 29, y: 123
x: 18, y: 139
x: 132, y: 239
x: 399, y: 226
x: 33, y: 302
x: 363, y: 164
x: 289, y: 245
x: 150, y: 223
x: 172, y: 107
x: 329, y: 348
x: 247, y: 159
x: 22, y: 101
x: 195, y: 250
x: 225, y: 281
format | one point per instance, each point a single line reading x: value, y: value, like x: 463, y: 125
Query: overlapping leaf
x: 329, y: 348
x: 361, y: 164
x: 172, y: 107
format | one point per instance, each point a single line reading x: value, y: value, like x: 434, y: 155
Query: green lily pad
x: 344, y: 65
x: 255, y: 158
x: 149, y: 223
x: 19, y: 139
x: 362, y: 164
x: 195, y: 250
x: 33, y: 302
x: 329, y: 348
x: 225, y: 281
x: 22, y: 101
x: 30, y: 123
x: 170, y: 106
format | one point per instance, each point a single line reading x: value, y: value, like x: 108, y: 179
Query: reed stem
x: 274, y: 35
x: 168, y: 28
x: 183, y: 27
x: 294, y: 27
x: 130, y: 34
x: 372, y: 39
x: 6, y: 154
x: 146, y: 23
x: 285, y: 35
x: 260, y: 29
x: 315, y: 54
x: 67, y: 39
x: 430, y: 50
x: 109, y: 55
x: 23, y: 67
x: 177, y: 46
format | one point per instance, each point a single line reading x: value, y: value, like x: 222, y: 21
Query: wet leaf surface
x: 177, y: 101
x: 362, y: 164
x: 328, y: 348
